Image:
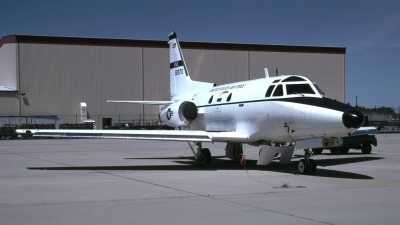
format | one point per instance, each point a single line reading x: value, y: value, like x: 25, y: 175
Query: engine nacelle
x: 179, y: 114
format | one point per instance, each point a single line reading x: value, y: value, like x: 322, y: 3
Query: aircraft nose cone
x: 353, y: 118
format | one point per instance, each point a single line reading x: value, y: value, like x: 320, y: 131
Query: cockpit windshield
x: 293, y: 78
x: 299, y: 89
x: 293, y: 86
x: 319, y: 89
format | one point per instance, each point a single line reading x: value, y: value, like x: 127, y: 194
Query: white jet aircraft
x: 277, y: 113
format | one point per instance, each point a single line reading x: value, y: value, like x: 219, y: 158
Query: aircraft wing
x: 143, y: 102
x: 164, y: 135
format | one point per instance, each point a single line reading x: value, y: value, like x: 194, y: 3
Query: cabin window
x: 229, y: 97
x: 219, y: 99
x: 269, y: 91
x: 293, y: 78
x: 209, y: 101
x: 276, y: 81
x: 278, y: 91
x: 292, y: 89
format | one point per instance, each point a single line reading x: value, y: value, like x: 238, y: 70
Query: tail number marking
x: 179, y: 72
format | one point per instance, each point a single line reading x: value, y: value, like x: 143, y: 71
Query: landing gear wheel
x: 301, y: 167
x: 307, y: 165
x: 205, y: 157
x: 344, y: 150
x: 237, y: 151
x: 312, y: 166
x: 366, y: 148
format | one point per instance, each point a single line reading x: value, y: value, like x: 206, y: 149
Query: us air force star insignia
x: 169, y: 114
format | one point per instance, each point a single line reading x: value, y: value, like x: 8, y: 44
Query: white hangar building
x: 52, y: 76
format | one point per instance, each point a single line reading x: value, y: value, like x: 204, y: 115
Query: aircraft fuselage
x: 290, y: 111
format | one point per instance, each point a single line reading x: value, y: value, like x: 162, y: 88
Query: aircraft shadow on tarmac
x: 222, y: 163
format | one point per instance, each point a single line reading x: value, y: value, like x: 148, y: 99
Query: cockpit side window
x: 210, y: 100
x: 319, y: 90
x: 229, y: 97
x: 292, y: 89
x: 269, y: 91
x: 278, y: 91
x: 276, y: 81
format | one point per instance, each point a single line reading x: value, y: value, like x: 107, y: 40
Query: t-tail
x: 180, y: 82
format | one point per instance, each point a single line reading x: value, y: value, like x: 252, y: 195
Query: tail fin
x: 180, y: 81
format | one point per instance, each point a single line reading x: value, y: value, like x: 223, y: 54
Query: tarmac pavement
x: 96, y: 181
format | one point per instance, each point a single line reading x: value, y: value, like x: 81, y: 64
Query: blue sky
x: 369, y: 29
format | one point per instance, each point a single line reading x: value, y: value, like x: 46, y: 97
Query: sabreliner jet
x: 279, y: 114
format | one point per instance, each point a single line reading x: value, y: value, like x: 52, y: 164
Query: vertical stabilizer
x: 180, y: 81
x: 179, y: 76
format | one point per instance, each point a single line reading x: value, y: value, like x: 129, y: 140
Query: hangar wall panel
x: 156, y: 79
x: 9, y: 103
x: 217, y: 66
x: 8, y: 67
x: 56, y: 78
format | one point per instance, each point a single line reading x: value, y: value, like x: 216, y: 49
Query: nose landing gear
x: 307, y: 165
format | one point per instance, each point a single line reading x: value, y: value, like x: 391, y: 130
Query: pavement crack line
x: 31, y: 157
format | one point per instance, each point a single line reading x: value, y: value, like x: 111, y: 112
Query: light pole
x: 356, y: 102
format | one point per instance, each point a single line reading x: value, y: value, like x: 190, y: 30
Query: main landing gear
x: 202, y: 156
x: 307, y: 165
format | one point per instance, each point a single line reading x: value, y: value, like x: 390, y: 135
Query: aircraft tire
x: 207, y: 154
x: 312, y: 167
x: 238, y: 151
x: 301, y: 167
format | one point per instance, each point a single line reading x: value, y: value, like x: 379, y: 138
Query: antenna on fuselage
x: 266, y: 72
